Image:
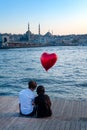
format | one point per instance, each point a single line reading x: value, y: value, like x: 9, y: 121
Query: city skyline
x: 61, y: 17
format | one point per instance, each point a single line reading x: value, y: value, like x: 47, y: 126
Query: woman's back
x: 43, y: 105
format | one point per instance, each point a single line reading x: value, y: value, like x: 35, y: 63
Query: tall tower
x: 39, y: 29
x: 39, y: 32
x: 28, y: 33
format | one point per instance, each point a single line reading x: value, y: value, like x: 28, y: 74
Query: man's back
x: 26, y: 98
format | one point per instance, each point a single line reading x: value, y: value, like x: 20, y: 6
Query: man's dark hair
x: 32, y: 84
x: 40, y: 90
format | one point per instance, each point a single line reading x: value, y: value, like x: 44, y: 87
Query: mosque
x: 25, y: 40
x: 29, y: 34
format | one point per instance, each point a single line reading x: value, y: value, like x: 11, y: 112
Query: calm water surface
x: 66, y: 79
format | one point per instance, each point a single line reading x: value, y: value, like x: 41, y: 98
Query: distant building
x: 5, y: 40
x: 0, y: 40
x: 39, y: 40
x: 28, y: 33
x: 29, y: 39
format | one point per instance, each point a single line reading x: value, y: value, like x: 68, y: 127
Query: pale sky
x: 62, y: 17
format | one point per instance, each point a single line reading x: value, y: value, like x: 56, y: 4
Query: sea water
x: 66, y: 79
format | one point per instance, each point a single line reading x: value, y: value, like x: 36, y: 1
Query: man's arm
x: 19, y: 108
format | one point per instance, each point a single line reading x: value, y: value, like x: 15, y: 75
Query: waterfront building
x: 29, y: 39
x: 5, y: 40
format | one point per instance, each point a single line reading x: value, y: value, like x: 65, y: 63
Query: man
x: 26, y: 99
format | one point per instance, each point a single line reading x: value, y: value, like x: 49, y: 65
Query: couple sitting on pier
x: 29, y: 105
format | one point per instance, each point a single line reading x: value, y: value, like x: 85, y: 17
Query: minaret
x: 28, y: 33
x: 39, y: 32
x: 39, y: 29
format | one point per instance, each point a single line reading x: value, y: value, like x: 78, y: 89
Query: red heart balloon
x: 48, y: 60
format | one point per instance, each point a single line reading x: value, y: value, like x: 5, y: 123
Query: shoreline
x: 52, y: 98
x: 34, y: 46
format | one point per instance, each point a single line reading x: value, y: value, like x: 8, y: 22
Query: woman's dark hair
x: 40, y: 90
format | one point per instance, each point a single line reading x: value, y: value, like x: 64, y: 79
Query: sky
x: 60, y: 17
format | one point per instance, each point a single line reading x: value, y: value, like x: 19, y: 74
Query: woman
x: 43, y: 103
